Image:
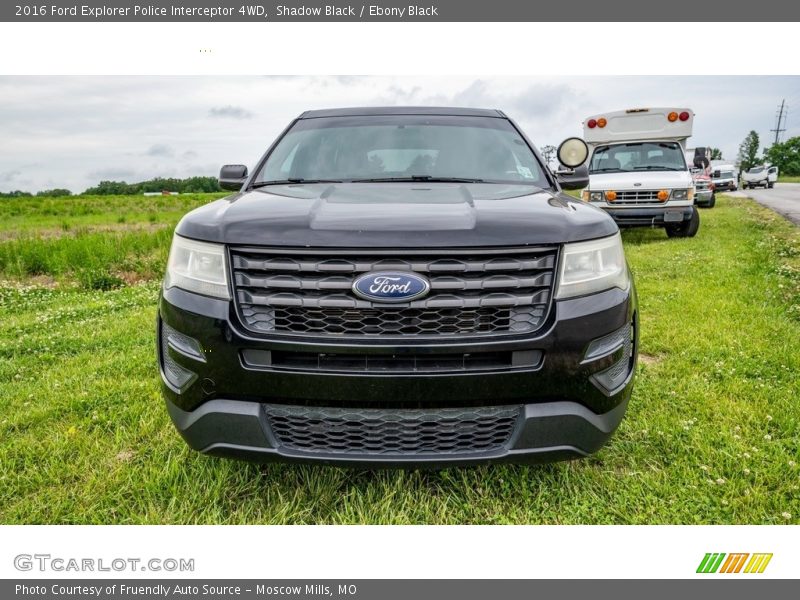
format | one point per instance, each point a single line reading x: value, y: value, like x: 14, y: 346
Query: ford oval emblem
x: 391, y: 286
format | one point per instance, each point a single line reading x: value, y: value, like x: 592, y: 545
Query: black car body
x: 466, y: 357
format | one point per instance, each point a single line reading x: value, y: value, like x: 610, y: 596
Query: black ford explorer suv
x: 397, y: 286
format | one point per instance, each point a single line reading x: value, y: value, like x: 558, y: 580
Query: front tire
x: 712, y: 201
x: 771, y: 185
x: 687, y: 228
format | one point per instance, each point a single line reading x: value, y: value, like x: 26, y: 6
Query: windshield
x: 756, y: 170
x: 723, y: 175
x: 403, y: 147
x: 639, y: 156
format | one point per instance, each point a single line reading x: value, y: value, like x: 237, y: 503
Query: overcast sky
x: 76, y: 131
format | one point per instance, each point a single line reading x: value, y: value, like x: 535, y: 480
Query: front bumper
x: 657, y: 216
x: 727, y: 185
x: 561, y: 408
x: 703, y: 197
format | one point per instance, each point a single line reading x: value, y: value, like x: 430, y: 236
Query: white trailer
x: 637, y: 169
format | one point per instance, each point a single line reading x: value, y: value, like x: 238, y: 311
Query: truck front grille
x: 471, y: 294
x: 638, y: 196
x: 453, y: 431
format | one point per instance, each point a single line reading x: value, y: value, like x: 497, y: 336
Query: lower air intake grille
x: 452, y: 431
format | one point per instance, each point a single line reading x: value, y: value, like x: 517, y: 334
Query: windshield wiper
x: 655, y: 168
x: 608, y: 170
x: 259, y: 184
x: 425, y: 178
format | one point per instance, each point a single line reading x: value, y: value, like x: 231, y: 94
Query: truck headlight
x: 590, y: 267
x: 682, y: 194
x: 197, y: 267
x: 588, y: 196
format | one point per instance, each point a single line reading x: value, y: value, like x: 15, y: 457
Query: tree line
x: 784, y: 155
x: 190, y: 185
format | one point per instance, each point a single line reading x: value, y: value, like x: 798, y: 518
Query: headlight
x: 588, y: 196
x: 592, y: 196
x: 682, y: 194
x: 197, y: 267
x: 590, y: 267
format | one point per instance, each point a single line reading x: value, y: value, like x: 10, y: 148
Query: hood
x: 647, y: 180
x: 396, y: 215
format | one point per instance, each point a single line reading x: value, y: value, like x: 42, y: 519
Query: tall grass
x: 88, y: 257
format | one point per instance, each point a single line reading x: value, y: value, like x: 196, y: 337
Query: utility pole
x: 781, y: 117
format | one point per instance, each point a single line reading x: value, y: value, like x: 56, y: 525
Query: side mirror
x: 232, y: 177
x: 575, y: 179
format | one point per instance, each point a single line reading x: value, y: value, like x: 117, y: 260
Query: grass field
x: 712, y: 434
x: 789, y: 178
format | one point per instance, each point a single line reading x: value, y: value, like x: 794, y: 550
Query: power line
x: 783, y: 112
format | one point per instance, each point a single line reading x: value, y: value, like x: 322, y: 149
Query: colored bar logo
x: 737, y: 562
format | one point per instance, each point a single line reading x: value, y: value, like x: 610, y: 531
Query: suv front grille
x: 502, y: 292
x: 392, y: 432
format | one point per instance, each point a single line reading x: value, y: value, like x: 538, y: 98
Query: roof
x: 402, y: 110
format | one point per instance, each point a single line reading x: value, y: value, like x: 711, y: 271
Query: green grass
x: 789, y: 178
x: 712, y: 433
x: 98, y: 242
x: 57, y: 215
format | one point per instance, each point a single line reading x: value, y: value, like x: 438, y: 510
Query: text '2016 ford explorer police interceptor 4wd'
x: 637, y: 169
x: 399, y: 286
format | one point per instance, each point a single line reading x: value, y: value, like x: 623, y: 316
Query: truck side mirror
x: 574, y: 179
x: 232, y: 177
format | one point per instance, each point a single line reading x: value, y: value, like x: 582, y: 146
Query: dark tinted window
x: 398, y: 146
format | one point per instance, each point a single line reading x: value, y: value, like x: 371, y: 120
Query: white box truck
x: 637, y: 169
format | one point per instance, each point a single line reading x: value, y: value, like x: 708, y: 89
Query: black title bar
x: 677, y: 11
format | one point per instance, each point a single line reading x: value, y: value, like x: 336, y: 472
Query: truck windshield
x: 638, y: 156
x: 402, y: 148
x: 756, y: 170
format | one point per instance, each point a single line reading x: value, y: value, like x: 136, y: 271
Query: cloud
x: 113, y: 173
x: 73, y: 131
x: 159, y: 150
x: 545, y: 100
x: 230, y: 112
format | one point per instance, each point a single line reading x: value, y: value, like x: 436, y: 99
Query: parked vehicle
x: 700, y: 161
x: 704, y: 194
x: 762, y: 175
x: 637, y: 170
x: 399, y: 286
x: 724, y: 178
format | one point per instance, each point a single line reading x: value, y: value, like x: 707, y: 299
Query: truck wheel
x: 687, y: 228
x: 771, y: 185
x: 712, y: 201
